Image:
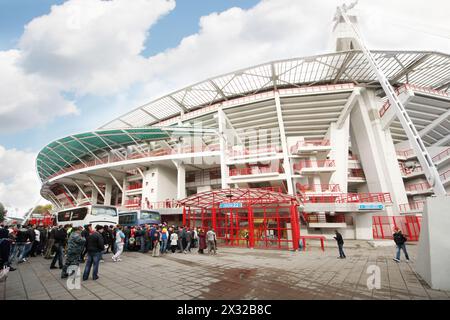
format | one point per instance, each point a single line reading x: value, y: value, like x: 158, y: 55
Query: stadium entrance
x: 254, y: 218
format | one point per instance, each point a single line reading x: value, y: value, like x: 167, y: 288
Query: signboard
x: 371, y: 206
x: 230, y: 205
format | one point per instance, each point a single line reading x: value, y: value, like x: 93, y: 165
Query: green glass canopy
x: 70, y: 150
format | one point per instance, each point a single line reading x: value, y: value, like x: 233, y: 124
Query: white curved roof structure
x: 421, y: 68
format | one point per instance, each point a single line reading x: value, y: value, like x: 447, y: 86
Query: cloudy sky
x: 71, y: 66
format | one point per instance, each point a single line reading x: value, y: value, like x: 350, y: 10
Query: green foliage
x: 2, y: 212
x: 42, y: 209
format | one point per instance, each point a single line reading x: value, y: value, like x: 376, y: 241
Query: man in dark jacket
x: 22, y: 239
x: 50, y: 243
x: 95, y: 247
x: 400, y: 240
x: 5, y: 248
x: 340, y: 243
x: 60, y: 242
x: 74, y: 249
x: 85, y: 234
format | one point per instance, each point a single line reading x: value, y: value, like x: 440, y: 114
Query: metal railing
x: 314, y: 164
x: 412, y: 206
x: 248, y: 152
x: 318, y: 187
x: 405, y: 87
x: 309, y: 143
x: 444, y: 175
x: 441, y: 155
x: 356, y: 173
x: 134, y: 186
x: 381, y: 197
x: 383, y: 226
x: 253, y: 170
x: 405, y: 153
x: 423, y: 186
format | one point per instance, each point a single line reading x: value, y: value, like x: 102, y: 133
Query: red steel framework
x: 383, y: 226
x: 267, y: 216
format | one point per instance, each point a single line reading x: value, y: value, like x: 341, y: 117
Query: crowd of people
x: 77, y: 245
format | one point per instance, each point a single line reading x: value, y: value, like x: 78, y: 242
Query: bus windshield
x: 150, y: 215
x: 108, y: 211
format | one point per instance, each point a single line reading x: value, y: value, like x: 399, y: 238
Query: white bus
x: 89, y: 214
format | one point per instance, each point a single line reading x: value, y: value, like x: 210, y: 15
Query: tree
x: 43, y: 209
x: 2, y: 212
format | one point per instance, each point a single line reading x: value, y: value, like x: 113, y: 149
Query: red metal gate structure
x: 268, y: 216
x: 383, y: 226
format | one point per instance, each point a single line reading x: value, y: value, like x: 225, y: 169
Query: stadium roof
x: 421, y: 68
x: 66, y: 151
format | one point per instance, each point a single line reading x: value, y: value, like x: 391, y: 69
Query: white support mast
x: 425, y: 160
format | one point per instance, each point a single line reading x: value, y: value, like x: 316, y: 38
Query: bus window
x: 64, y: 216
x: 79, y: 214
x: 128, y: 218
x: 108, y: 211
x: 150, y: 215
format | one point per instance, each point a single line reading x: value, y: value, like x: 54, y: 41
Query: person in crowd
x: 112, y: 238
x: 194, y: 238
x: 400, y: 241
x: 5, y: 248
x: 42, y: 240
x: 188, y: 240
x: 60, y: 242
x: 340, y: 243
x: 35, y: 235
x: 164, y: 239
x: 30, y: 244
x: 50, y: 243
x: 211, y: 240
x: 140, y: 239
x: 75, y: 247
x: 173, y: 242
x: 106, y: 238
x: 156, y: 239
x: 95, y: 247
x: 127, y: 233
x: 201, y: 241
x: 148, y: 234
x: 22, y: 238
x: 85, y: 234
x: 180, y: 239
x: 120, y: 239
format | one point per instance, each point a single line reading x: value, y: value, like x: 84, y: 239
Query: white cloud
x: 92, y: 46
x: 27, y: 100
x: 19, y: 185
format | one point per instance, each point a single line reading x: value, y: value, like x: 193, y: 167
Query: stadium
x: 283, y: 151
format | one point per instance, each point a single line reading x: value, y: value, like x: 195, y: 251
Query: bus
x: 139, y: 217
x: 89, y: 214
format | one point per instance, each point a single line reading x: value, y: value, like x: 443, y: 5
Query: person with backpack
x: 400, y: 241
x: 156, y: 238
x: 75, y: 247
x: 164, y: 240
x: 340, y: 243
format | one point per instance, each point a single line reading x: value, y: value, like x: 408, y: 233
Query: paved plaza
x: 234, y: 273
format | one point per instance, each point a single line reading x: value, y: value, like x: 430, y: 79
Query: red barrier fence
x: 383, y: 226
x: 348, y: 198
x: 314, y: 164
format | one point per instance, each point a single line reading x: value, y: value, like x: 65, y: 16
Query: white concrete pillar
x: 94, y: 196
x: 223, y: 148
x: 181, y: 181
x: 339, y: 142
x: 286, y: 161
x: 108, y: 193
